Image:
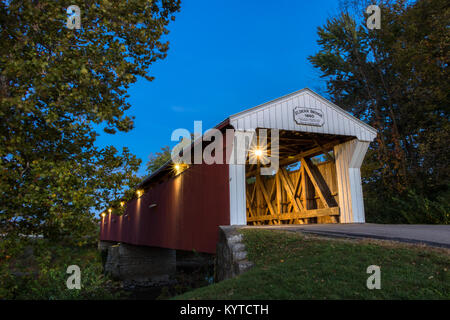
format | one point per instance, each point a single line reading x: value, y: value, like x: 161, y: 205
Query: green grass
x: 295, y: 266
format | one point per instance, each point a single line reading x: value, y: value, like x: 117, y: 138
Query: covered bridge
x: 320, y: 151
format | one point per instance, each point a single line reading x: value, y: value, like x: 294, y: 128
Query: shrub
x: 410, y: 207
x: 36, y: 269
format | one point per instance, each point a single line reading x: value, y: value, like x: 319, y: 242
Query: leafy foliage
x: 397, y: 80
x: 56, y: 86
x: 156, y: 160
x: 36, y: 269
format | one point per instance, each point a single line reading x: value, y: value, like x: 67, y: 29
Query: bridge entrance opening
x: 303, y: 190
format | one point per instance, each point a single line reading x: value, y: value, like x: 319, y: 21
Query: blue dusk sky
x: 224, y: 57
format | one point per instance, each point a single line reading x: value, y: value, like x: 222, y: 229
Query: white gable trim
x: 278, y: 114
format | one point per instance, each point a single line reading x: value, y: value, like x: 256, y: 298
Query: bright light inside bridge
x: 258, y: 153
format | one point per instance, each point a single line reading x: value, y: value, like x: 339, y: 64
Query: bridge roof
x: 290, y: 112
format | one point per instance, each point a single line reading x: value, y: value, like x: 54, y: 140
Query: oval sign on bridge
x: 308, y: 116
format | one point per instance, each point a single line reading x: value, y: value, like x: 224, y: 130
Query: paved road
x: 434, y: 235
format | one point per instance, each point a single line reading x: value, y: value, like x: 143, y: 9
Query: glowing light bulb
x: 258, y: 153
x: 109, y: 210
x: 103, y: 214
x: 122, y: 203
x: 177, y: 167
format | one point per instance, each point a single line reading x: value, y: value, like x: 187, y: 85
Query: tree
x: 156, y: 160
x: 396, y: 79
x: 56, y: 84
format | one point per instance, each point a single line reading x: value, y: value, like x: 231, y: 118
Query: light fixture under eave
x: 178, y: 168
x: 109, y: 210
x: 103, y: 214
x: 122, y: 203
x: 139, y: 192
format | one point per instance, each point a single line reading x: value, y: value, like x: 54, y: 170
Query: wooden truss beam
x: 293, y: 196
x: 309, y: 153
x: 319, y: 183
x: 290, y: 189
x: 298, y: 214
x: 261, y: 187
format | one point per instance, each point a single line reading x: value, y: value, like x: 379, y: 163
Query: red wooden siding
x: 189, y: 209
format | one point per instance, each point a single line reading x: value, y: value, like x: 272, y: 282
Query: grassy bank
x: 295, y: 266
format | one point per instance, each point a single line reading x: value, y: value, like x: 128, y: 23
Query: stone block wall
x: 139, y: 265
x: 231, y: 255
